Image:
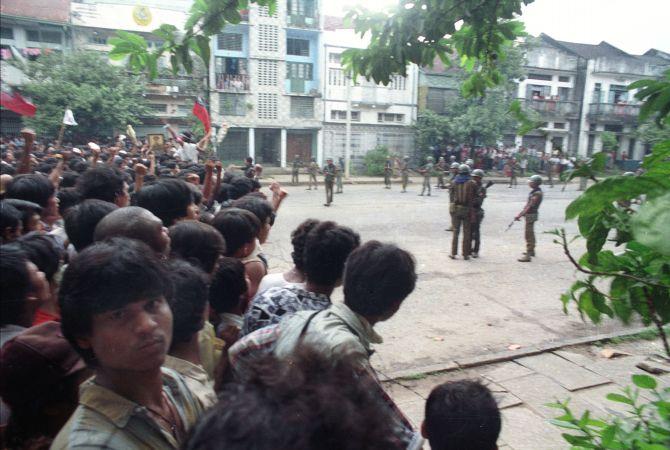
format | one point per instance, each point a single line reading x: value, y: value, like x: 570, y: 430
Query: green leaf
x: 586, y: 306
x: 644, y: 381
x: 619, y: 398
x: 650, y: 225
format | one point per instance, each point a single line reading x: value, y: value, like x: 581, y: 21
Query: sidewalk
x: 525, y: 385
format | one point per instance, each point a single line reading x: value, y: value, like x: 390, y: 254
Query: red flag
x: 14, y: 102
x: 200, y: 111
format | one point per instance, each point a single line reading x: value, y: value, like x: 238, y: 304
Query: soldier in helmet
x: 404, y: 172
x: 388, y: 171
x: 338, y: 176
x: 478, y: 216
x: 295, y: 169
x: 463, y: 191
x: 470, y: 163
x: 312, y: 169
x: 530, y: 212
x: 426, y: 171
x: 329, y: 172
x: 453, y: 169
x: 441, y: 167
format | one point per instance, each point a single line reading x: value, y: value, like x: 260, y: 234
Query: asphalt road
x: 459, y: 308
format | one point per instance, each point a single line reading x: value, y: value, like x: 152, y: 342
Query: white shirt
x: 188, y: 152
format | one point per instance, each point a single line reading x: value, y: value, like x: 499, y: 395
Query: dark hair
x: 33, y: 187
x: 309, y: 403
x: 43, y: 251
x: 67, y: 198
x: 135, y: 223
x: 103, y: 183
x: 228, y: 285
x: 260, y: 207
x: 14, y: 283
x: 81, y: 220
x: 69, y: 179
x: 189, y: 300
x: 237, y: 226
x: 377, y: 277
x: 327, y: 247
x: 106, y: 276
x: 222, y: 195
x: 197, y: 243
x: 462, y: 415
x: 168, y: 199
x: 298, y: 237
x: 10, y: 217
x: 239, y: 187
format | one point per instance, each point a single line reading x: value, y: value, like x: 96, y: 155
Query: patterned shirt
x: 271, y: 305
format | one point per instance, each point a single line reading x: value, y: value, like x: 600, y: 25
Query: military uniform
x: 313, y: 169
x: 530, y: 213
x: 441, y: 167
x: 404, y: 173
x: 452, y: 175
x: 295, y: 170
x: 478, y: 216
x: 463, y: 192
x: 426, y: 171
x: 388, y: 171
x: 329, y: 172
x: 512, y: 173
x: 338, y: 175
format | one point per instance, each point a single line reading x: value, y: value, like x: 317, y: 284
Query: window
x: 232, y: 104
x: 563, y: 93
x: 267, y: 72
x: 301, y: 7
x: 389, y: 117
x: 342, y: 115
x: 335, y: 58
x: 229, y: 41
x: 268, y: 36
x: 299, y: 71
x: 302, y: 107
x: 230, y: 66
x: 559, y: 125
x: 564, y: 79
x: 264, y: 11
x: 397, y: 83
x: 297, y: 47
x: 46, y: 36
x: 539, y: 76
x: 33, y: 35
x: 97, y: 39
x: 6, y: 33
x: 158, y: 107
x: 336, y: 77
x: 618, y: 93
x: 267, y: 106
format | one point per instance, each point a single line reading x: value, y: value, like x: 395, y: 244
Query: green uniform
x: 512, y: 173
x: 338, y: 175
x: 480, y: 195
x: 530, y: 213
x: 404, y: 173
x: 388, y: 171
x: 426, y: 171
x: 313, y: 169
x: 440, y: 174
x: 295, y: 170
x: 464, y: 195
x: 329, y: 172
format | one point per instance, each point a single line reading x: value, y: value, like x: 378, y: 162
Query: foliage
x: 651, y: 133
x: 645, y: 427
x: 207, y: 18
x: 419, y: 32
x: 656, y: 98
x: 609, y: 140
x: 430, y: 130
x: 101, y: 96
x: 375, y: 160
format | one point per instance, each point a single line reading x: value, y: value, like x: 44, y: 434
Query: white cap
x: 76, y: 150
x: 93, y: 146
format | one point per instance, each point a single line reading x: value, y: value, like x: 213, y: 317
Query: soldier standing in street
x: 338, y: 176
x: 426, y: 171
x: 441, y: 168
x: 480, y: 195
x: 530, y: 212
x: 463, y: 190
x: 404, y: 172
x: 388, y: 171
x: 329, y: 172
x: 512, y: 172
x: 454, y: 172
x: 313, y: 169
x: 295, y: 169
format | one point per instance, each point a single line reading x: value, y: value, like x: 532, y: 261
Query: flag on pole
x: 13, y: 101
x: 200, y: 111
x: 68, y: 118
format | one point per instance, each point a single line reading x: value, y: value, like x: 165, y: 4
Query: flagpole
x: 60, y: 135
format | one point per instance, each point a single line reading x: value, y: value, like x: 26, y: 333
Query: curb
x: 483, y: 360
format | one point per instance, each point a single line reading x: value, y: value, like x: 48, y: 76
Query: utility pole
x: 347, y: 144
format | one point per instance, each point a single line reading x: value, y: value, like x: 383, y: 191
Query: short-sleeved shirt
x: 188, y: 152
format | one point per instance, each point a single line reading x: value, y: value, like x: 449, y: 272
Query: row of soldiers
x: 332, y: 174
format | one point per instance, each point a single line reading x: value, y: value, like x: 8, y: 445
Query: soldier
x: 530, y: 212
x: 470, y: 163
x: 426, y: 171
x: 338, y: 175
x: 441, y: 168
x: 295, y: 170
x: 480, y: 195
x: 329, y: 172
x: 388, y: 171
x: 512, y: 172
x: 312, y: 169
x: 463, y: 191
x: 454, y: 172
x: 404, y: 172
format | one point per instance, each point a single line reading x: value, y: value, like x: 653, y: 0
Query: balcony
x: 302, y: 21
x: 614, y: 112
x: 232, y: 82
x: 554, y: 108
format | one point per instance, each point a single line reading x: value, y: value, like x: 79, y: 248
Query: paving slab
x: 620, y: 370
x: 597, y: 396
x: 524, y: 430
x: 566, y: 373
x: 575, y: 358
x: 506, y: 400
x: 505, y: 371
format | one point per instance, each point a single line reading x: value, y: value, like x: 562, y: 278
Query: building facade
x: 265, y: 84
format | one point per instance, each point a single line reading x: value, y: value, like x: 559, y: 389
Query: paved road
x: 459, y: 309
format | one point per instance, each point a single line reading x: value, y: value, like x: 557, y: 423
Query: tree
x: 101, y: 96
x: 650, y: 133
x: 609, y: 140
x: 375, y: 160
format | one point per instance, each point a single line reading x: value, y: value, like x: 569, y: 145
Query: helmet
x: 441, y: 158
x: 629, y: 174
x: 406, y: 157
x: 430, y: 159
x: 478, y: 173
x: 455, y: 165
x: 463, y: 168
x: 535, y: 179
x: 469, y: 162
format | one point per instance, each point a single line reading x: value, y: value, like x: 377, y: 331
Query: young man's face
x: 123, y: 199
x: 135, y: 337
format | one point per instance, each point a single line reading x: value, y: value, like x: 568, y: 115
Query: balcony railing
x: 614, y: 112
x: 232, y: 83
x: 553, y: 107
x: 302, y: 21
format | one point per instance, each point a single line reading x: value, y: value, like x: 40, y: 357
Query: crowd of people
x: 140, y: 311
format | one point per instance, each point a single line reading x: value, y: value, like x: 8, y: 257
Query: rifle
x: 510, y: 225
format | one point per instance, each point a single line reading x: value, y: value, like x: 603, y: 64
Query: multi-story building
x: 265, y: 82
x: 380, y: 115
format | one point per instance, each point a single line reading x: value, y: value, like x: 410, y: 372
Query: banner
x: 14, y: 102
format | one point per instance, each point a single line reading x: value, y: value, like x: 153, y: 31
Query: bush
x: 375, y: 160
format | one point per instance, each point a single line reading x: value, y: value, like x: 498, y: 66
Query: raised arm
x: 207, y: 183
x: 25, y: 162
x: 204, y: 142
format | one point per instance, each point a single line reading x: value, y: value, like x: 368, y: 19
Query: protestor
x: 170, y: 200
x: 135, y: 223
x: 197, y: 243
x: 228, y: 298
x: 104, y: 183
x: 81, y: 220
x: 115, y: 313
x: 11, y: 222
x: 38, y: 189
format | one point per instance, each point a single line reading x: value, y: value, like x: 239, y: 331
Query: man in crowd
x: 530, y: 213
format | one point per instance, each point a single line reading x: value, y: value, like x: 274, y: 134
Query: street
x: 459, y: 309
